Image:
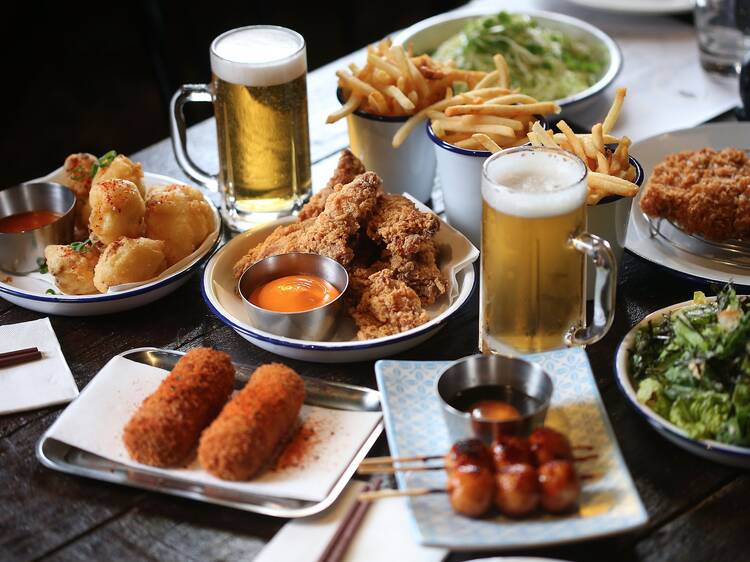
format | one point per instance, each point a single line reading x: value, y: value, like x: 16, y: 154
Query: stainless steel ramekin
x: 481, y: 370
x: 317, y: 324
x: 20, y: 251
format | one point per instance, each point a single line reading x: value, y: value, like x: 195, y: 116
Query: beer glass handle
x: 188, y: 93
x: 604, y: 292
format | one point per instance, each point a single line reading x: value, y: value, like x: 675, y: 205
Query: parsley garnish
x: 42, y: 263
x: 81, y: 246
x: 103, y: 162
x: 50, y: 292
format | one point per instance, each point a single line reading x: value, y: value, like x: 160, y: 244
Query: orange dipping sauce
x: 294, y: 293
x: 21, y: 222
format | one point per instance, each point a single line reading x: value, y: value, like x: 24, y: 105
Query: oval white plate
x: 639, y: 6
x: 428, y: 34
x: 730, y: 455
x: 29, y: 292
x: 219, y: 267
x: 652, y: 151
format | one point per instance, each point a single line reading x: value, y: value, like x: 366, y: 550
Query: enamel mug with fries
x: 385, y: 100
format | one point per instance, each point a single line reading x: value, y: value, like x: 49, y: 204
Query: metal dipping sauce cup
x: 19, y: 251
x: 317, y: 324
x: 492, y: 370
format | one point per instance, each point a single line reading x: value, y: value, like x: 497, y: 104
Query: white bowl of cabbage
x: 550, y: 56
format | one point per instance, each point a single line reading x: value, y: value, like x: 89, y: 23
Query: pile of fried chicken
x: 386, y: 244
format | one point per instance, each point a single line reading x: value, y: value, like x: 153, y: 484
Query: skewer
x: 391, y: 460
x: 385, y: 469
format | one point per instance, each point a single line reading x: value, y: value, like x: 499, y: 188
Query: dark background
x: 89, y: 77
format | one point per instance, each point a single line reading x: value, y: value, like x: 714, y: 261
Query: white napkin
x: 384, y: 535
x: 40, y: 383
x: 95, y: 421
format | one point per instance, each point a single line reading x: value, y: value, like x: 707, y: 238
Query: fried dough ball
x: 77, y: 172
x: 166, y: 426
x: 117, y: 209
x: 122, y: 168
x: 73, y: 270
x: 179, y: 215
x: 129, y: 260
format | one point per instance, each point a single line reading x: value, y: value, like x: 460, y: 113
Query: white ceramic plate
x: 30, y: 292
x: 218, y: 292
x: 428, y: 34
x: 652, y: 151
x: 414, y: 424
x: 639, y: 6
x: 712, y: 450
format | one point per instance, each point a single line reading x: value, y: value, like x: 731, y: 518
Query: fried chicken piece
x: 420, y: 272
x: 704, y: 191
x: 331, y: 234
x: 348, y: 168
x: 388, y: 306
x: 400, y: 226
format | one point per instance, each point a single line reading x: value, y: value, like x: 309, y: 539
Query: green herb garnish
x: 81, y: 246
x: 693, y: 368
x: 42, y: 265
x: 50, y: 292
x: 103, y: 162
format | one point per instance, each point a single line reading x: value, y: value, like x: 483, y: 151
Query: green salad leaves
x: 544, y: 63
x: 693, y: 368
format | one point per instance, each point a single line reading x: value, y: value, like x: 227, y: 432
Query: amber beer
x: 533, y: 205
x: 260, y: 103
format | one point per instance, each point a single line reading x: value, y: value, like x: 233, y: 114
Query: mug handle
x: 189, y: 93
x: 600, y: 252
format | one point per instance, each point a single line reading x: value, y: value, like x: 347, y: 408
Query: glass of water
x: 723, y: 34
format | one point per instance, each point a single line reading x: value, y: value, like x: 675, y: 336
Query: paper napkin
x: 384, y: 535
x: 36, y: 384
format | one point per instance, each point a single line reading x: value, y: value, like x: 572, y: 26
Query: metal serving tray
x: 57, y: 455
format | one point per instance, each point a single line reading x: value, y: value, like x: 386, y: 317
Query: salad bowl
x: 723, y: 453
x: 427, y: 35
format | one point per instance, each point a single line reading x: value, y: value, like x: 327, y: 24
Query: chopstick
x: 343, y: 536
x: 19, y: 356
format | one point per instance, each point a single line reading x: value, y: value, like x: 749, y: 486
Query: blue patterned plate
x: 609, y: 503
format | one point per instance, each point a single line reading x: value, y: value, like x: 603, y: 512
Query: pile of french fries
x: 392, y: 82
x: 610, y: 171
x: 491, y: 116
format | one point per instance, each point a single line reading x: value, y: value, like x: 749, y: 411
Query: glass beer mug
x: 534, y: 244
x: 259, y: 93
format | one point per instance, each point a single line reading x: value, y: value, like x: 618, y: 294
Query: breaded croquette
x: 117, y: 209
x: 122, y: 168
x: 73, y: 269
x: 129, y: 260
x: 166, y: 427
x: 253, y: 425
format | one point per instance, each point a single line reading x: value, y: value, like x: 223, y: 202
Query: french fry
x: 359, y: 86
x: 573, y: 140
x: 491, y: 78
x: 349, y: 107
x: 414, y: 97
x: 538, y: 108
x: 469, y: 143
x: 612, y: 184
x: 602, y: 166
x: 542, y: 137
x: 511, y: 99
x: 503, y: 79
x: 383, y: 65
x: 614, y: 111
x: 486, y: 142
x: 534, y: 138
x: 378, y: 101
x: 514, y: 124
x: 400, y: 98
x: 597, y: 138
x: 461, y: 126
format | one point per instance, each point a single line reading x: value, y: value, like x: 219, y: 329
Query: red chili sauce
x: 21, y: 222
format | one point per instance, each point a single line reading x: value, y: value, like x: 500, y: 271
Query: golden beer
x: 260, y: 103
x: 533, y: 206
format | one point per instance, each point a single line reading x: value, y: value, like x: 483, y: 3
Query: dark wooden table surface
x: 697, y: 509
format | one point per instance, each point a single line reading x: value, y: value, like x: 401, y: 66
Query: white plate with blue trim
x: 219, y: 292
x: 730, y: 455
x: 609, y: 503
x: 31, y: 291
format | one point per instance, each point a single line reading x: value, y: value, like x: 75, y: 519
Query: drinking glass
x: 723, y: 28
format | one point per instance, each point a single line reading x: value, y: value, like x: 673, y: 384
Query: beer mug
x: 259, y: 93
x: 534, y: 244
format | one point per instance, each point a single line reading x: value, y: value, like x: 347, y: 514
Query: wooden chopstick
x: 343, y: 536
x: 19, y: 356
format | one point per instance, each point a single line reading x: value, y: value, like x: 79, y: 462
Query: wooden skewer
x: 382, y: 469
x: 391, y: 460
x: 380, y: 494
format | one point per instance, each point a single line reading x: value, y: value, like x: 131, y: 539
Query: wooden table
x: 697, y: 509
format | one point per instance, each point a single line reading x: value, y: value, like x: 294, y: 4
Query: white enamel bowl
x: 30, y: 291
x: 218, y: 289
x: 730, y: 455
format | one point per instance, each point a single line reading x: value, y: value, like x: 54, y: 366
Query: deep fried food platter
x: 138, y: 236
x: 408, y: 270
x: 260, y: 439
x: 692, y: 234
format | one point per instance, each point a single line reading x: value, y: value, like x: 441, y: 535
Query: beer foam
x: 258, y: 56
x: 534, y: 184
